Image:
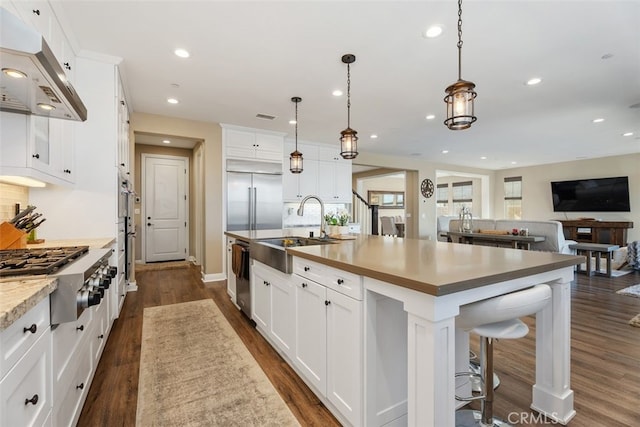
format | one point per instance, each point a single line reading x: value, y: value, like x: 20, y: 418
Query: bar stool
x: 495, y: 318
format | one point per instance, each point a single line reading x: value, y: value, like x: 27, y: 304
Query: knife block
x: 11, y: 237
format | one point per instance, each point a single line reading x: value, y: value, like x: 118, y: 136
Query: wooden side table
x: 598, y: 249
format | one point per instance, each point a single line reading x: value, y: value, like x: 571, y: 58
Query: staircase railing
x: 365, y: 214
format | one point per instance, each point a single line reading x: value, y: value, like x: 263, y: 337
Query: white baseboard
x: 132, y: 286
x: 217, y: 277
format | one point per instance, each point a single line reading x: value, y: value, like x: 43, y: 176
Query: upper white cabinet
x: 324, y: 174
x: 254, y: 144
x: 123, y: 157
x: 37, y: 147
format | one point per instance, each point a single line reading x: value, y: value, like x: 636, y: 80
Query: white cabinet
x: 246, y: 143
x: 334, y: 181
x: 329, y: 335
x: 25, y: 369
x: 123, y: 157
x: 296, y: 186
x: 272, y: 306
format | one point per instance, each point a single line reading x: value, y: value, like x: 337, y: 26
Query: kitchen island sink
x: 272, y: 252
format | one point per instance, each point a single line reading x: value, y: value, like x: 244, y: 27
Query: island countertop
x: 432, y: 267
x: 93, y: 243
x: 19, y: 295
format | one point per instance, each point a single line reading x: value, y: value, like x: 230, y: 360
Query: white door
x: 165, y: 207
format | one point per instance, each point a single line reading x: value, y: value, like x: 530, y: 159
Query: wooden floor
x: 605, y: 356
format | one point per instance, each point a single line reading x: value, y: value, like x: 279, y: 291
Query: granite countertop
x: 93, y: 243
x: 436, y: 268
x: 17, y: 296
x: 250, y: 235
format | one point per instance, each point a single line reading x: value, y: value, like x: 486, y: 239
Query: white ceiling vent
x: 265, y: 116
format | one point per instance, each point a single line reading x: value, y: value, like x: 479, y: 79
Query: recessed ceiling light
x: 514, y: 163
x: 172, y: 101
x: 374, y: 136
x: 16, y: 74
x: 598, y: 120
x: 627, y: 134
x: 430, y: 117
x: 46, y: 107
x: 433, y: 31
x: 292, y: 122
x: 483, y: 158
x: 181, y: 53
x: 445, y: 151
x: 336, y: 92
x: 534, y: 81
x: 166, y: 141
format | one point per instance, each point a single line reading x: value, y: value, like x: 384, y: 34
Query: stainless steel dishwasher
x: 240, y: 266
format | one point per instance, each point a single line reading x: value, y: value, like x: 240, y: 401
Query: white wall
x: 536, y: 188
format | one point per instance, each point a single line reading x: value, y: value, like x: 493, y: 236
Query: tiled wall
x: 9, y: 196
x: 311, y: 217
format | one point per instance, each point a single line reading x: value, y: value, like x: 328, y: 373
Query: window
x: 387, y: 199
x: 442, y: 199
x: 513, y: 197
x: 462, y: 196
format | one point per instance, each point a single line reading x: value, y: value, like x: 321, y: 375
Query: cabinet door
x: 268, y: 147
x: 260, y: 298
x: 311, y: 332
x: 344, y: 355
x: 290, y: 183
x: 231, y: 278
x: 326, y: 181
x: 29, y: 379
x: 39, y: 157
x: 283, y: 314
x: 343, y: 183
x: 309, y: 178
x: 240, y: 143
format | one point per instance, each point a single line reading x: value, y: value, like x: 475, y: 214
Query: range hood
x: 32, y: 80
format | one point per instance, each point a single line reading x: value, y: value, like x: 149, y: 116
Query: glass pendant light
x: 295, y: 159
x: 460, y: 95
x: 348, y: 138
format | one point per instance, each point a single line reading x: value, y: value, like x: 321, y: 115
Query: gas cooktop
x: 18, y: 262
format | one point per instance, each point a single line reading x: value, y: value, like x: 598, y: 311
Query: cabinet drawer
x: 344, y: 282
x: 308, y: 269
x: 69, y: 399
x: 341, y: 281
x: 29, y: 379
x: 18, y: 338
x: 68, y: 339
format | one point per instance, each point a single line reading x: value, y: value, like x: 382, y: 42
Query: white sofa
x: 551, y: 230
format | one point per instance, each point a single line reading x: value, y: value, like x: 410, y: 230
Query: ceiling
x: 250, y: 58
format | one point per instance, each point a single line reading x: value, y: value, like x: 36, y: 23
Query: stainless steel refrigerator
x: 254, y: 195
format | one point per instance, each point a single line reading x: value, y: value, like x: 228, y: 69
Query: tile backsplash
x: 311, y: 217
x: 9, y: 196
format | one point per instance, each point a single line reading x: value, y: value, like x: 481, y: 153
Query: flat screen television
x: 591, y: 195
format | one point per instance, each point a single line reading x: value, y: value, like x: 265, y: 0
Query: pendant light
x: 460, y: 95
x: 295, y: 159
x: 348, y: 138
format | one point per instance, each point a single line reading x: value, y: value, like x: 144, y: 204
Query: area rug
x: 195, y: 371
x: 632, y: 291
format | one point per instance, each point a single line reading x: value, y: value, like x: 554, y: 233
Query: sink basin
x: 272, y: 251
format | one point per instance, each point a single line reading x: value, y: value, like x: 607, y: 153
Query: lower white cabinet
x: 25, y: 392
x: 273, y: 305
x: 329, y: 345
x: 231, y: 278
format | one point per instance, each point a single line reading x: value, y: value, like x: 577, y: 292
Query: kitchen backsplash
x: 311, y: 215
x: 9, y: 196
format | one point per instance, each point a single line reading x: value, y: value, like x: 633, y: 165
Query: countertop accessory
x: 460, y: 95
x: 348, y: 138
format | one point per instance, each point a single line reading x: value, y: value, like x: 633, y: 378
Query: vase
x: 343, y: 229
x: 332, y: 230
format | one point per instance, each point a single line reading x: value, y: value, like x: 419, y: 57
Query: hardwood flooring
x: 605, y: 356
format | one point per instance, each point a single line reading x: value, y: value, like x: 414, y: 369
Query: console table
x: 516, y: 242
x: 592, y: 231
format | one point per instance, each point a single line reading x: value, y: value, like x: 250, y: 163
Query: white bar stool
x: 495, y: 318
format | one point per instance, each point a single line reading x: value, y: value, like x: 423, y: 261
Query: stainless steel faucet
x: 323, y: 233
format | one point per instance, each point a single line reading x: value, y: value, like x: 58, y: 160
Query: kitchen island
x: 388, y: 308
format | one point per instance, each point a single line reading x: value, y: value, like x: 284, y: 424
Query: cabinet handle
x: 122, y: 102
x: 36, y: 12
x: 340, y: 281
x: 101, y: 336
x: 266, y: 283
x: 122, y: 164
x: 33, y: 400
x: 80, y: 328
x: 36, y: 156
x: 33, y: 328
x: 327, y: 302
x: 80, y: 387
x: 307, y: 268
x: 67, y: 171
x: 304, y: 285
x: 67, y: 66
